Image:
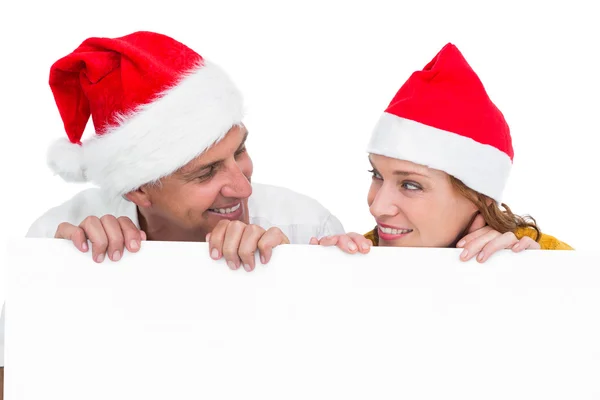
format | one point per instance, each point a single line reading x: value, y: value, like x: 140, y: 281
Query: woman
x: 441, y: 154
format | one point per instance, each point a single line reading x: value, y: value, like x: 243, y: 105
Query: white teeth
x: 226, y: 210
x: 391, y: 231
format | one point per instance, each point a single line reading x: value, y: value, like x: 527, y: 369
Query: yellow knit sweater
x: 547, y: 242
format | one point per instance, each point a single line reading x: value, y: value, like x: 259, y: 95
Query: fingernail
x: 231, y: 265
x: 134, y: 245
x: 480, y: 256
x: 215, y: 254
x: 516, y: 246
x: 247, y: 267
x: 460, y: 244
x: 84, y: 246
x: 100, y: 257
x: 263, y: 259
x: 464, y: 254
x: 365, y: 246
x: 352, y: 246
x: 116, y: 255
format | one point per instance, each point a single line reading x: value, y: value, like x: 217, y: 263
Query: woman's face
x: 415, y: 206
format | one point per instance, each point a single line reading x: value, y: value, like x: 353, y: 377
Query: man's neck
x: 160, y: 229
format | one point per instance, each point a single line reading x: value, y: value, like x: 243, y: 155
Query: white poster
x: 170, y: 323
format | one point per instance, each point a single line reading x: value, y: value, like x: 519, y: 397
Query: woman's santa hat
x: 155, y: 103
x: 443, y: 118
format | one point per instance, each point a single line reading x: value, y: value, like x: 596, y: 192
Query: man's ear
x: 140, y: 197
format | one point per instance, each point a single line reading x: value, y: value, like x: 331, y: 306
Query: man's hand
x: 238, y: 242
x: 108, y: 235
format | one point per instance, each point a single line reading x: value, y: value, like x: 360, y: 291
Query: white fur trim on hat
x: 157, y: 138
x: 66, y: 159
x: 481, y: 167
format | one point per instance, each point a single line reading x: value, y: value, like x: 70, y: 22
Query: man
x: 168, y: 156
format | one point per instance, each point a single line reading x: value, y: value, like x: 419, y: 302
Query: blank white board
x: 170, y: 323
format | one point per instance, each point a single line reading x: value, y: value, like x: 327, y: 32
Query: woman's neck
x: 464, y: 232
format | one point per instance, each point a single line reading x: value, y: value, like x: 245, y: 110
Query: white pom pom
x: 66, y: 160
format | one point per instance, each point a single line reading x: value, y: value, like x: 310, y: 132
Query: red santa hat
x: 443, y: 118
x: 155, y: 104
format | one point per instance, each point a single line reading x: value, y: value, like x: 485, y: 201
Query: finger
x: 73, y: 233
x: 346, y: 244
x: 473, y: 247
x: 95, y: 233
x: 473, y: 236
x: 144, y: 236
x: 329, y: 240
x: 215, y: 239
x: 132, y: 235
x: 116, y: 241
x: 231, y: 243
x: 271, y: 239
x: 313, y: 240
x: 526, y: 243
x: 364, y: 245
x: 504, y: 241
x: 248, y: 245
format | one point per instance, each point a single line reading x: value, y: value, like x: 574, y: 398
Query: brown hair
x: 500, y: 220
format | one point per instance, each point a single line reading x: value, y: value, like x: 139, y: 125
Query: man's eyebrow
x: 194, y: 171
x: 243, y: 142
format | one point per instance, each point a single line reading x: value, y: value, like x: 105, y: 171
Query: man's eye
x: 240, y: 151
x: 207, y: 175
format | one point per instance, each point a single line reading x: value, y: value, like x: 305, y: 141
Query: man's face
x: 212, y: 187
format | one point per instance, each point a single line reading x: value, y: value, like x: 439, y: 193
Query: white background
x: 316, y: 76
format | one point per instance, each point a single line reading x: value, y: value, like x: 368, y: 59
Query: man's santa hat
x: 155, y: 103
x: 443, y: 118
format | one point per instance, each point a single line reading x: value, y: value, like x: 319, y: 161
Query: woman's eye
x: 411, y: 186
x: 375, y: 174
